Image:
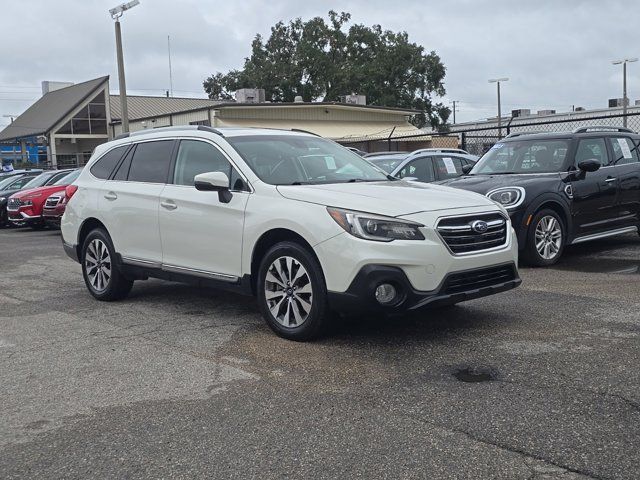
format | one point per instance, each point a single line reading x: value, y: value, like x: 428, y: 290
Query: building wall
x: 317, y: 113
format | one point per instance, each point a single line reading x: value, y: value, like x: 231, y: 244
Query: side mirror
x: 214, y: 182
x: 466, y: 168
x: 589, y: 165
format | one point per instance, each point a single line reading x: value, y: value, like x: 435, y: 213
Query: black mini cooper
x: 562, y: 188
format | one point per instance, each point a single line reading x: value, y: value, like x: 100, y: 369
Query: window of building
x: 90, y: 120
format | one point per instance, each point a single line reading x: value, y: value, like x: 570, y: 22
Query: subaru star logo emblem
x: 479, y: 226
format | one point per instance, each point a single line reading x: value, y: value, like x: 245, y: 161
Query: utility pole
x: 455, y: 109
x: 625, y: 100
x: 116, y: 13
x: 497, y: 81
x: 170, y: 73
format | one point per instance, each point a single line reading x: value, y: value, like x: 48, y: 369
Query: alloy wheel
x: 548, y: 237
x: 288, y: 292
x: 97, y: 263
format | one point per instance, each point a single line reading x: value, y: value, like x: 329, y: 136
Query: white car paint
x: 202, y: 235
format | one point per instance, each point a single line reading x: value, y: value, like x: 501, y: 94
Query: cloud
x: 556, y: 54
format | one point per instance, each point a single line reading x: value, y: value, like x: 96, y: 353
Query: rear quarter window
x: 104, y: 166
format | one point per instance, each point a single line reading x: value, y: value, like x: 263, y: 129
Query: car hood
x: 391, y: 198
x: 39, y: 191
x: 484, y: 183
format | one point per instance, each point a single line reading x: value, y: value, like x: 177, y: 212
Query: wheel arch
x: 267, y: 240
x: 87, y: 226
x: 554, y: 203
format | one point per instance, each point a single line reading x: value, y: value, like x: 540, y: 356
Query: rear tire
x: 101, y: 273
x: 292, y: 294
x: 545, y: 239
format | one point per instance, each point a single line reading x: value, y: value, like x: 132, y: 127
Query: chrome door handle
x: 168, y: 204
x: 609, y: 180
x: 111, y: 196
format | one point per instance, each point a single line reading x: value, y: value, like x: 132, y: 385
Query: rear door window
x: 448, y: 166
x: 624, y: 150
x: 150, y: 162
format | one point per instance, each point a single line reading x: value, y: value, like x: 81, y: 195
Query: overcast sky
x: 556, y: 53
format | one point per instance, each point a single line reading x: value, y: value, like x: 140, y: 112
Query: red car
x: 54, y: 207
x: 26, y: 207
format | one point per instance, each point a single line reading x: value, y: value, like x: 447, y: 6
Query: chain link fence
x: 480, y: 139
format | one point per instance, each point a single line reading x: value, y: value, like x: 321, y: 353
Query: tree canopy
x: 321, y: 61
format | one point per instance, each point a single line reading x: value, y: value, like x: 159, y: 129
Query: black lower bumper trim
x: 481, y: 282
x: 71, y: 251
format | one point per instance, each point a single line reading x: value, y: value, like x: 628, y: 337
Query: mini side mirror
x: 214, y: 182
x: 466, y: 168
x: 589, y: 165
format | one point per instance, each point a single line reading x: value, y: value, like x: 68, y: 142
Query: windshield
x: 297, y: 160
x: 525, y: 156
x: 387, y: 163
x: 37, y: 181
x: 68, y: 179
x: 5, y: 182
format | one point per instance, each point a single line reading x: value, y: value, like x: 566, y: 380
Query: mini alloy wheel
x: 548, y: 237
x: 545, y: 239
x: 288, y: 291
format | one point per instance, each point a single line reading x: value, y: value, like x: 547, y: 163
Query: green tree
x: 322, y: 60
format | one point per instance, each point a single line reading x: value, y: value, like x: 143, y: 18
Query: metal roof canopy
x: 50, y: 109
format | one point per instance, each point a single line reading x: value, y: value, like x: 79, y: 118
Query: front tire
x: 101, y: 274
x: 545, y: 239
x: 292, y: 294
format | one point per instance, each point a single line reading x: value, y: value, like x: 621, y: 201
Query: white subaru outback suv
x: 297, y: 220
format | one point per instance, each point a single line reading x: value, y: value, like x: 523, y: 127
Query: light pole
x: 116, y: 13
x: 624, y: 62
x: 497, y: 81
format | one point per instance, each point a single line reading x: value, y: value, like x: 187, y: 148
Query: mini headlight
x: 508, y: 197
x: 2, y: 199
x: 376, y: 227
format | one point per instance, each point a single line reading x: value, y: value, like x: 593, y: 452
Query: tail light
x: 69, y: 191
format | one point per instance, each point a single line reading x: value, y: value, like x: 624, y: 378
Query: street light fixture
x: 497, y: 81
x: 116, y: 13
x: 624, y: 62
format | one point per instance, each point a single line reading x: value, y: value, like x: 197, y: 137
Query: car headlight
x: 2, y: 199
x: 376, y: 227
x: 508, y: 197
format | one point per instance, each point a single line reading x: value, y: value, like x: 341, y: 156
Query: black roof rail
x: 206, y: 128
x: 602, y: 128
x: 517, y: 134
x: 299, y: 130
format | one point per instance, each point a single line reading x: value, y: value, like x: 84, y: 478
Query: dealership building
x: 70, y: 120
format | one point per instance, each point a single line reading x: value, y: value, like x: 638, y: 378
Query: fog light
x: 385, y: 293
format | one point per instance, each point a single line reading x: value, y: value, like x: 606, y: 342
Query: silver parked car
x: 425, y: 165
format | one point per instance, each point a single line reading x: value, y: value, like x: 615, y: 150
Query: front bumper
x: 18, y: 216
x: 456, y: 287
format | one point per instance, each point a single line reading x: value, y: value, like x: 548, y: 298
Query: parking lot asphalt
x: 179, y: 382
